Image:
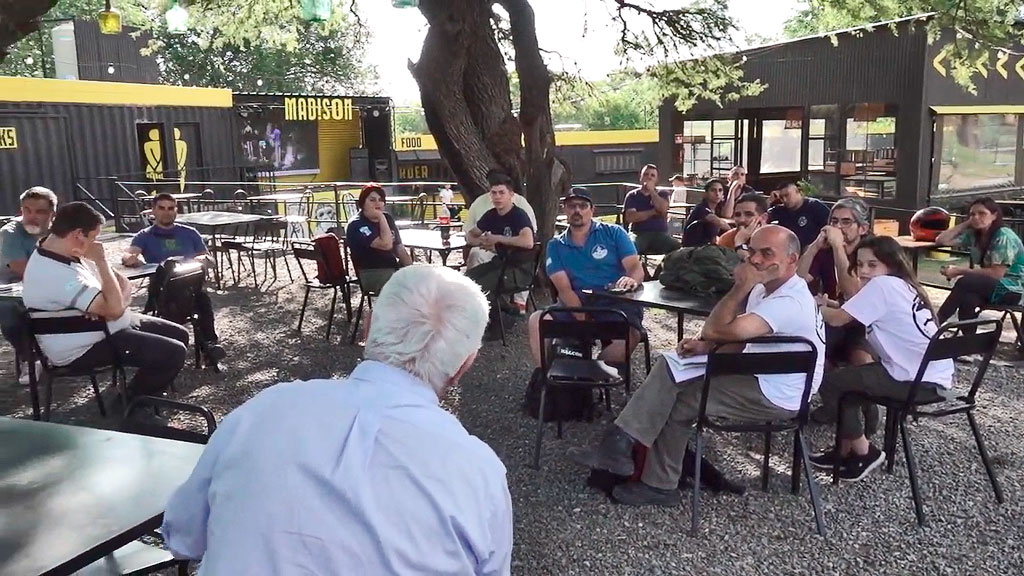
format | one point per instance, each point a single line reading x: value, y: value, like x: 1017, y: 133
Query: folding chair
x: 137, y: 557
x: 505, y: 291
x: 751, y: 363
x: 951, y: 341
x: 179, y: 282
x: 268, y: 242
x: 71, y: 321
x: 308, y: 251
x: 567, y: 372
x: 1011, y: 310
x: 365, y: 297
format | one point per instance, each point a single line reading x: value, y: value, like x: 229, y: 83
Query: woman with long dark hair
x: 999, y: 255
x: 900, y: 322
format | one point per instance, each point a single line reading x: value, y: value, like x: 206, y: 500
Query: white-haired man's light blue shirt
x: 367, y: 475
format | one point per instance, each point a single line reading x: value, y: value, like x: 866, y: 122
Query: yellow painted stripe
x: 55, y: 91
x: 589, y: 138
x: 998, y: 109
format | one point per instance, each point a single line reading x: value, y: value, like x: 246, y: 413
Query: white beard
x: 33, y: 230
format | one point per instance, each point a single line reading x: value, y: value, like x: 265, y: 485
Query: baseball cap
x: 582, y: 193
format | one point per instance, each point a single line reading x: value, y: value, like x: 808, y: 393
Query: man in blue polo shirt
x: 592, y: 255
x: 645, y: 210
x: 166, y: 239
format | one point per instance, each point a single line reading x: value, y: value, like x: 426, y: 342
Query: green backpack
x: 703, y: 270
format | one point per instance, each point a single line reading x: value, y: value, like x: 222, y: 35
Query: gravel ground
x: 564, y: 527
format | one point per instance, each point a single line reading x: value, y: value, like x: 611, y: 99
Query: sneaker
x: 855, y: 467
x: 215, y: 352
x: 824, y: 460
x: 24, y: 378
x: 640, y: 494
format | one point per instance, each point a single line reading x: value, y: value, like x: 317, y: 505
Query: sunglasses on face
x: 581, y: 206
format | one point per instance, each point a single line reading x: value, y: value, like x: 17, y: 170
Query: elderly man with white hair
x: 362, y: 475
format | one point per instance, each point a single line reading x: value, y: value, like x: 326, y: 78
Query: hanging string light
x: 316, y: 10
x: 109, y: 20
x: 177, y: 18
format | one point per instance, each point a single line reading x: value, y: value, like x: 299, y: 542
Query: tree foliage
x: 297, y: 57
x: 980, y: 26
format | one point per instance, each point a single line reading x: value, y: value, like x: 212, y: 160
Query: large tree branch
x: 19, y: 18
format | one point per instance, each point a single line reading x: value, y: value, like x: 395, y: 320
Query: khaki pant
x: 662, y: 412
x: 374, y: 279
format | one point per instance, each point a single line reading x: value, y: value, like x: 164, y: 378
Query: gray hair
x: 792, y: 243
x: 40, y: 193
x: 427, y: 321
x: 856, y: 206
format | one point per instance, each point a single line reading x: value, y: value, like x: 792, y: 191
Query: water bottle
x: 444, y: 216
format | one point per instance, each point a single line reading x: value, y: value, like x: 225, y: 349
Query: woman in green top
x: 999, y: 253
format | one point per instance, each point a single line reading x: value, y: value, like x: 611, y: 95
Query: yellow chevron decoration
x: 981, y: 65
x: 937, y: 61
x: 1019, y: 68
x: 1000, y: 64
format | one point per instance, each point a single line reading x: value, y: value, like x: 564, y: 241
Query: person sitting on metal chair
x: 497, y: 233
x: 768, y: 298
x: 168, y: 239
x: 69, y: 269
x: 374, y: 241
x: 900, y: 323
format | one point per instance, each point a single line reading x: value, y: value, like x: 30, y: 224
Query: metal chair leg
x: 838, y: 442
x: 915, y: 490
x: 996, y: 488
x: 346, y: 291
x: 501, y: 320
x: 812, y: 486
x: 99, y: 399
x: 540, y: 425
x: 794, y: 476
x: 33, y: 388
x: 891, y: 422
x: 302, y: 312
x: 698, y: 452
x: 765, y: 465
x: 647, y: 354
x: 330, y: 315
x: 359, y: 316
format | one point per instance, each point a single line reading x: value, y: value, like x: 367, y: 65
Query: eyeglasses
x: 581, y: 206
x: 842, y: 222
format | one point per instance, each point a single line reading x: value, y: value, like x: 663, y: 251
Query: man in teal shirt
x: 18, y: 239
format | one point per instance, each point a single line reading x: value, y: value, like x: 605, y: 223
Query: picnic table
x: 653, y: 294
x: 71, y: 495
x: 430, y: 240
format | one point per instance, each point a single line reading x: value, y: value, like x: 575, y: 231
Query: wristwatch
x: 744, y: 247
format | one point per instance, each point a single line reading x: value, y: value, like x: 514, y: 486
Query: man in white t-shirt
x: 68, y: 278
x: 767, y: 298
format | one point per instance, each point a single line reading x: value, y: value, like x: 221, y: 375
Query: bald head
x: 773, y: 245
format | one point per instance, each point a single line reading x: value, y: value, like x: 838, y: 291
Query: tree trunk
x: 547, y: 176
x: 19, y: 18
x: 465, y: 94
x: 464, y: 90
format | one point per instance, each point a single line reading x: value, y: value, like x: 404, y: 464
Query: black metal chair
x: 751, y: 363
x: 949, y: 342
x: 174, y: 298
x: 568, y: 372
x: 71, y: 321
x: 1011, y: 310
x: 308, y: 251
x: 366, y: 297
x: 138, y: 558
x: 516, y: 256
x: 268, y: 241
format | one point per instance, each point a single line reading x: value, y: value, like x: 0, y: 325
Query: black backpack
x: 563, y: 404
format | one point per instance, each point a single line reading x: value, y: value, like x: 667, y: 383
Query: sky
x: 580, y: 30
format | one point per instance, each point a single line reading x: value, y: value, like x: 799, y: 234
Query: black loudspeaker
x: 377, y: 141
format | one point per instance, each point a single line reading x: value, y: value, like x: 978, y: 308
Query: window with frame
x: 780, y: 145
x: 979, y: 152
x: 867, y: 164
x: 823, y: 149
x: 617, y: 161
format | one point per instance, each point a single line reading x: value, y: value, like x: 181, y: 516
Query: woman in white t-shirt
x: 900, y: 322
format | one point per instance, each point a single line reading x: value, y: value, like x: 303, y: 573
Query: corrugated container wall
x: 61, y: 142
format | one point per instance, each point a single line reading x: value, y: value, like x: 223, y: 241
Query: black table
x: 216, y: 221
x: 431, y: 240
x: 654, y: 295
x: 71, y: 495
